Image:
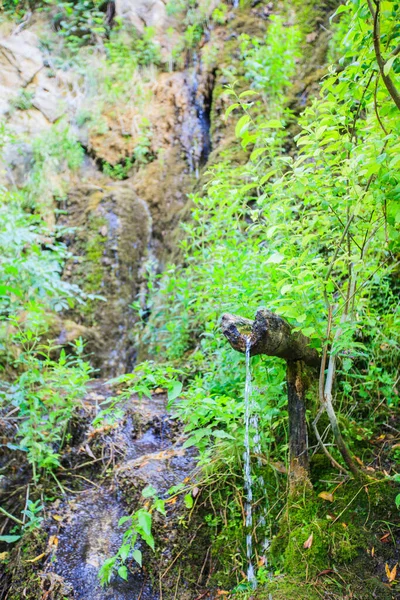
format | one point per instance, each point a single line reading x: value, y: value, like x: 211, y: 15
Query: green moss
x: 23, y: 576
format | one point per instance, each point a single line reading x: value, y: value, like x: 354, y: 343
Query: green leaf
x: 188, y: 500
x: 9, y: 539
x: 241, y: 125
x: 273, y: 124
x: 248, y: 93
x: 137, y: 556
x: 231, y: 108
x: 123, y: 572
x: 275, y: 258
x: 221, y: 434
x: 149, y: 491
x: 175, y: 390
x: 144, y: 520
x: 123, y: 552
x: 388, y: 65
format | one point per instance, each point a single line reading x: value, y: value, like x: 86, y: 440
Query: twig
x: 10, y: 516
x: 181, y: 552
x: 346, y: 507
x: 159, y: 579
x: 26, y: 504
x: 84, y: 478
x: 177, y: 582
x: 390, y: 86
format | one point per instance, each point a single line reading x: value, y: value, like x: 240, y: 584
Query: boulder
x: 142, y: 13
x: 20, y: 61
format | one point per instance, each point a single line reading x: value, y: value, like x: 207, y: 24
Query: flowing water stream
x: 252, y: 427
x: 248, y: 480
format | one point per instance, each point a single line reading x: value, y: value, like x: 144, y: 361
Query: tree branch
x: 270, y: 335
x: 390, y: 86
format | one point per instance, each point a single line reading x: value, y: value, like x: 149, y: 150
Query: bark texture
x: 271, y: 335
x: 298, y: 439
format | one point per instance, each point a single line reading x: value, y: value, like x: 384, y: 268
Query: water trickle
x: 252, y: 425
x: 248, y: 481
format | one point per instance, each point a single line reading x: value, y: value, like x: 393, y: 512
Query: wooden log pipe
x: 270, y: 334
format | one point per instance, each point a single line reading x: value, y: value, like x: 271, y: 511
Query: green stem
x: 10, y: 516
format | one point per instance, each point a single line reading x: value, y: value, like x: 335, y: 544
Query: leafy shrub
x: 23, y: 101
x: 270, y: 64
x: 46, y: 395
x: 81, y: 22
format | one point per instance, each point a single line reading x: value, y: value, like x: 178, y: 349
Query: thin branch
x: 390, y: 86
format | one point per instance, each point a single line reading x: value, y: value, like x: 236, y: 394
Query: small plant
x: 120, y: 170
x: 149, y: 376
x: 140, y: 523
x: 270, y: 64
x: 219, y: 14
x: 32, y: 520
x: 24, y: 100
x: 46, y: 395
x: 81, y: 23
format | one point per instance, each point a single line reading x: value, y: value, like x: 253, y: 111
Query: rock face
x: 110, y: 242
x: 20, y: 61
x: 142, y: 13
x: 30, y: 96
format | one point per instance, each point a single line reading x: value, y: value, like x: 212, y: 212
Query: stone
x: 142, y: 13
x: 20, y: 61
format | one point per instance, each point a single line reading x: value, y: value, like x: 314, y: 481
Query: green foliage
x: 81, y: 22
x: 32, y: 520
x: 24, y: 100
x: 270, y: 64
x: 118, y: 171
x: 126, y: 47
x: 149, y: 376
x: 30, y: 270
x: 219, y: 14
x: 140, y: 528
x: 313, y: 236
x: 44, y: 391
x: 45, y: 396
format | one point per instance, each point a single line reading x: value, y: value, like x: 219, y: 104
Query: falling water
x: 248, y: 482
x: 252, y: 424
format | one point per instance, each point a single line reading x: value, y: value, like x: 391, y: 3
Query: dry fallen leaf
x: 372, y: 551
x: 308, y: 543
x: 172, y: 500
x: 391, y: 574
x: 222, y: 593
x: 4, y: 555
x: 57, y: 518
x: 32, y: 560
x: 385, y: 538
x: 326, y: 496
x: 53, y: 541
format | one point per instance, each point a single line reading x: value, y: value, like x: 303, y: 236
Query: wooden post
x: 298, y: 438
x: 271, y: 335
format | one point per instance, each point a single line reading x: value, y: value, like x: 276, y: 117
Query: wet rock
x: 110, y: 264
x: 161, y: 469
x: 89, y: 536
